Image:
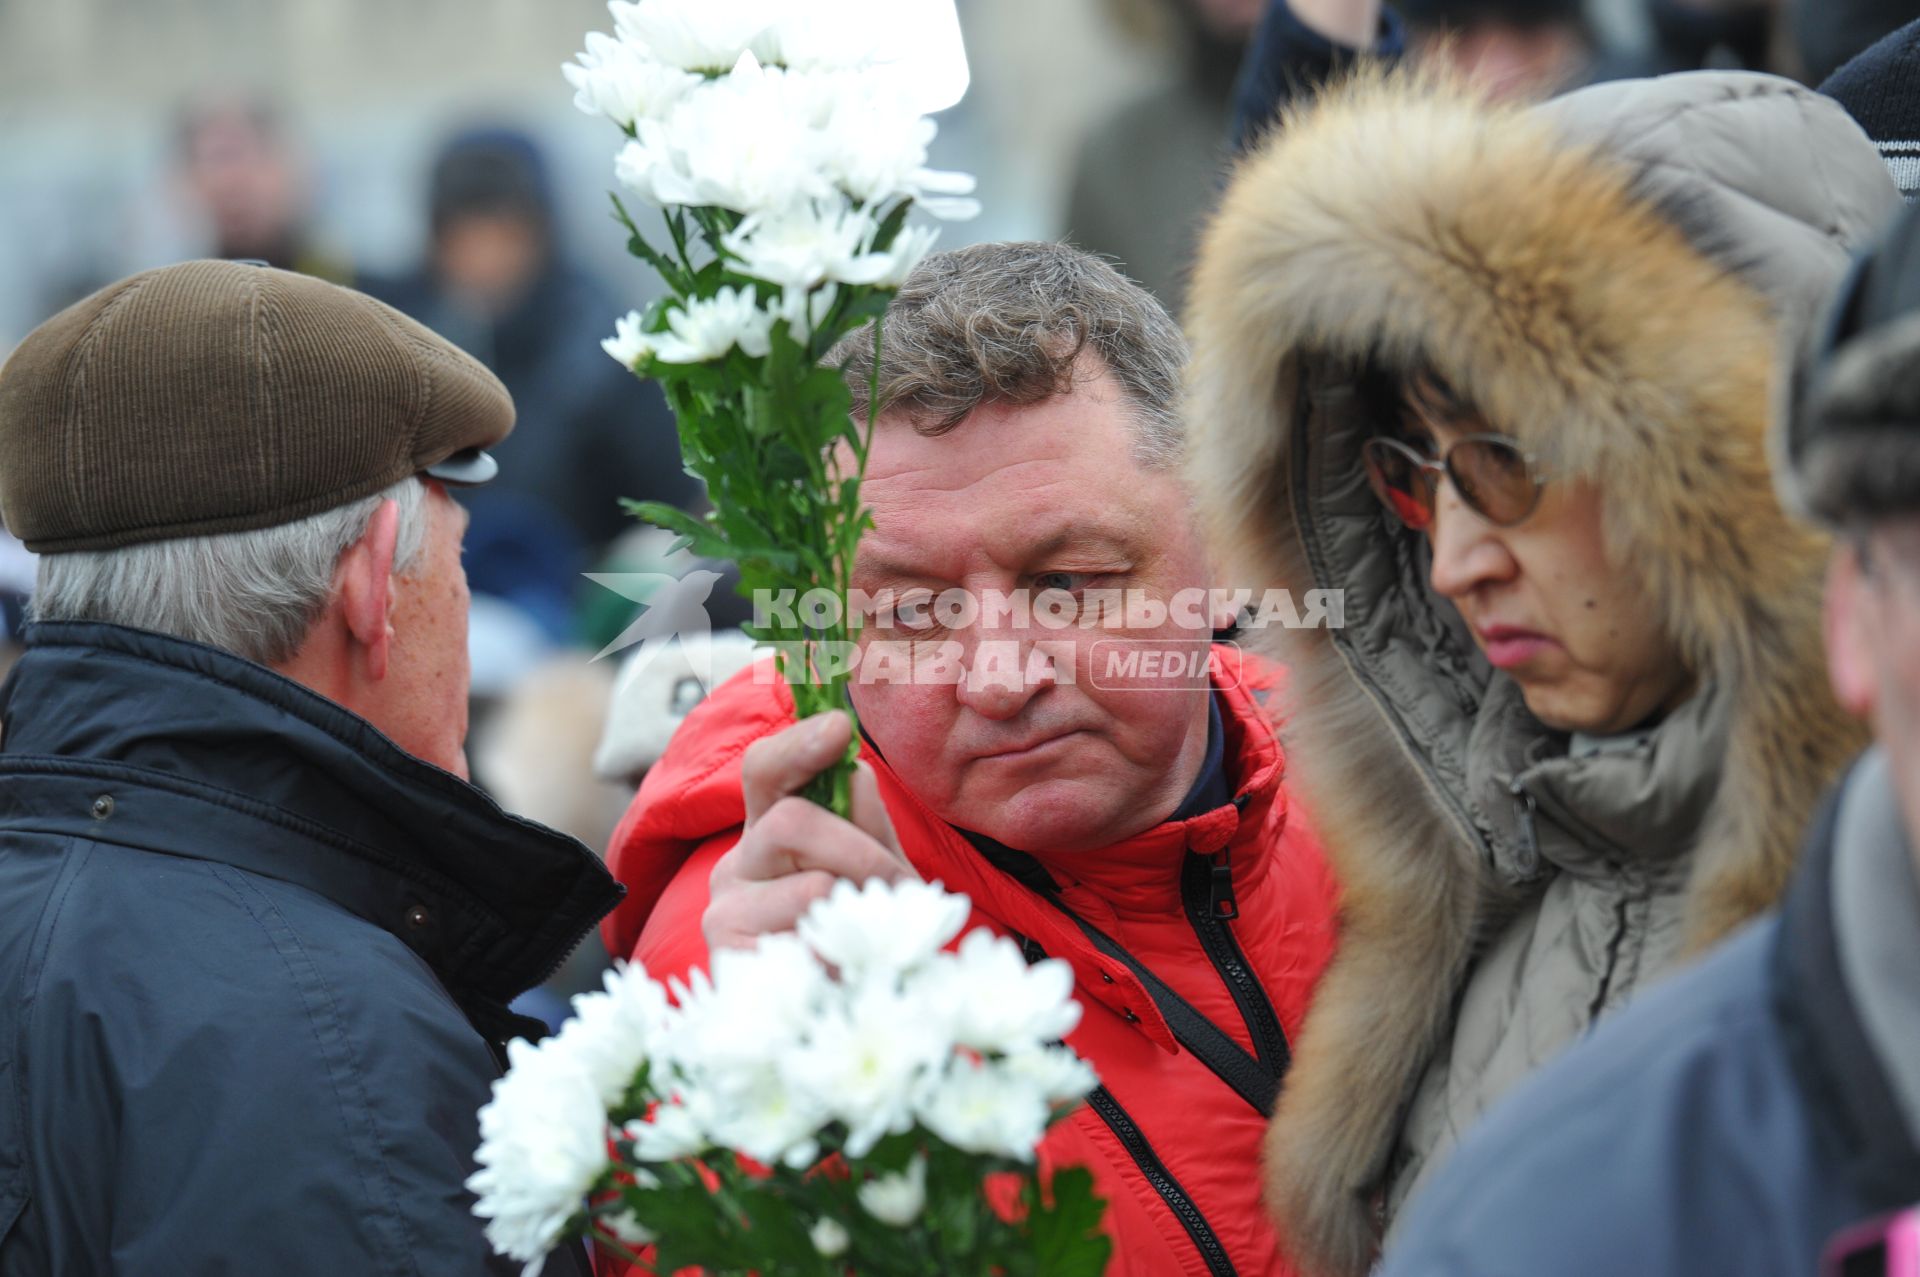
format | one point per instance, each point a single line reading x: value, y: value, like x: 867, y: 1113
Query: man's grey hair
x: 255, y: 594
x: 1008, y: 323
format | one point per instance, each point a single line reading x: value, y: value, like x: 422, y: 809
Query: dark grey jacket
x: 1732, y: 1121
x: 254, y: 967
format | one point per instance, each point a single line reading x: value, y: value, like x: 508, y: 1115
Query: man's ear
x: 364, y: 583
x: 1849, y: 653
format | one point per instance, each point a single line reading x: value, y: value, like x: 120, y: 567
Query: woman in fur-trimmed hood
x: 1599, y: 285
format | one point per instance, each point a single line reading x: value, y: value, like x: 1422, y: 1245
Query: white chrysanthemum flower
x: 817, y: 241
x: 998, y: 1003
x: 979, y: 1107
x: 704, y: 328
x: 781, y: 980
x: 1055, y: 1071
x: 543, y: 1142
x: 805, y: 310
x: 909, y: 248
x: 762, y: 1115
x: 882, y: 929
x: 747, y: 142
x: 865, y: 1062
x: 830, y: 1237
x: 613, y: 1032
x: 897, y: 1199
x: 614, y: 79
x: 873, y: 145
x: 699, y: 35
x: 628, y: 344
x: 807, y: 244
x: 733, y: 1029
x: 675, y: 1129
x: 834, y: 35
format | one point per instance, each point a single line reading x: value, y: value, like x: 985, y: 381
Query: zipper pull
x: 1220, y: 901
x: 1529, y: 834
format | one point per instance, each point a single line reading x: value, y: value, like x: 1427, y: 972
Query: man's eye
x: 914, y: 610
x: 1067, y: 581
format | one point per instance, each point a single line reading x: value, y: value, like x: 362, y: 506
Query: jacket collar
x: 1841, y: 1072
x: 1139, y: 876
x: 157, y: 743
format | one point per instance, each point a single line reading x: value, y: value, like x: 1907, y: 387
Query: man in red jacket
x: 1097, y: 791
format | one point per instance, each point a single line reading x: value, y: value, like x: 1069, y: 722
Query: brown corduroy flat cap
x: 221, y: 397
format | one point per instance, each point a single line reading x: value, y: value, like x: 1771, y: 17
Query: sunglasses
x: 1495, y: 479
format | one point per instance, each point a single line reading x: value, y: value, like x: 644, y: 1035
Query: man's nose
x: 1004, y: 674
x: 1467, y: 550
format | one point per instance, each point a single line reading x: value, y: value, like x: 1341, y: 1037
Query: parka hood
x: 1607, y: 278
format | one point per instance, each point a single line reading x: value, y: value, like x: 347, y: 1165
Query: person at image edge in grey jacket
x: 1576, y: 715
x: 260, y: 932
x: 1747, y: 1111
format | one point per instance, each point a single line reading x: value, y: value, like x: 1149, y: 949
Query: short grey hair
x: 255, y: 594
x: 1008, y: 323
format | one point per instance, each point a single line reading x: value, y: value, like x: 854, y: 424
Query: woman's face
x: 1574, y: 630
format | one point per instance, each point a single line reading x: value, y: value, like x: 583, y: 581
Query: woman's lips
x: 1508, y: 647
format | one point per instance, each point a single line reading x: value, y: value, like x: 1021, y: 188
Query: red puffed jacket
x: 1196, y: 944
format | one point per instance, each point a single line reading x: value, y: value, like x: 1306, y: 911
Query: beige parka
x: 1608, y: 277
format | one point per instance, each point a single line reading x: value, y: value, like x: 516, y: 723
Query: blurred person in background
x: 264, y: 932
x: 1532, y: 49
x: 533, y: 753
x: 247, y: 181
x: 654, y: 693
x: 1145, y: 176
x: 1881, y: 89
x: 1524, y: 49
x: 1762, y: 1106
x: 1827, y: 35
x: 1503, y: 375
x: 498, y: 284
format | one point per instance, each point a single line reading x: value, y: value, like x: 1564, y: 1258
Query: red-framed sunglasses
x: 1495, y: 479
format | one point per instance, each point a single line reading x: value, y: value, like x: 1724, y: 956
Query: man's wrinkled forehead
x: 1046, y: 542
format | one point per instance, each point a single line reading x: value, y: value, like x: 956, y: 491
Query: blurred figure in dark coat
x: 497, y: 283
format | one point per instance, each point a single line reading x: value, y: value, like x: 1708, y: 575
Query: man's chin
x: 1052, y: 816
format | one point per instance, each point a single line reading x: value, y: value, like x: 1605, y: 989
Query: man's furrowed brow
x: 1084, y: 538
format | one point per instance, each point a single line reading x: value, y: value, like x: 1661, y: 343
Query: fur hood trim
x: 1607, y: 278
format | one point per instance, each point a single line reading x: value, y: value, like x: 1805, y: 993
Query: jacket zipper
x: 1162, y: 1180
x: 1206, y: 889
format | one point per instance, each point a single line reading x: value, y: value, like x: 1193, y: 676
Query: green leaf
x: 694, y: 533
x: 1067, y: 1241
x: 637, y: 245
x: 890, y: 225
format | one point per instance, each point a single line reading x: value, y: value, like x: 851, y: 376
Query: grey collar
x: 1876, y: 907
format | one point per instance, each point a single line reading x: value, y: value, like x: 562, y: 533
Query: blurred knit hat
x: 656, y: 691
x: 226, y: 396
x: 1881, y: 91
x: 1852, y: 445
x: 489, y: 172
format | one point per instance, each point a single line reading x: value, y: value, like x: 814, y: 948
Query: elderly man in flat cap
x: 259, y: 933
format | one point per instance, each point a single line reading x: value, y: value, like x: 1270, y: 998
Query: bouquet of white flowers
x: 784, y: 143
x: 831, y: 1102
